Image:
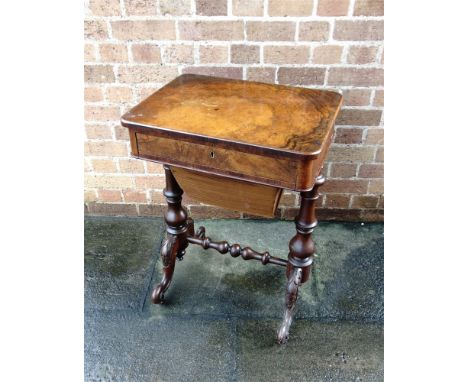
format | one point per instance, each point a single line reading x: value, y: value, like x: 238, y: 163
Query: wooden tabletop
x: 277, y: 118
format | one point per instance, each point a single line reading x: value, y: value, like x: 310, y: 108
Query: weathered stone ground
x: 221, y: 314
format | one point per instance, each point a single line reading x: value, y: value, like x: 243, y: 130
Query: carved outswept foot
x: 178, y: 225
x: 168, y: 255
x: 292, y: 291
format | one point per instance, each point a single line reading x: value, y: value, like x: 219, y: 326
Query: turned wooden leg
x: 178, y: 226
x: 301, y: 255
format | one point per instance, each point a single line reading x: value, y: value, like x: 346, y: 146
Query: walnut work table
x: 238, y: 145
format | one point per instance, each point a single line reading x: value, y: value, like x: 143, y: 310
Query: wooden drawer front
x: 269, y: 170
x: 233, y: 194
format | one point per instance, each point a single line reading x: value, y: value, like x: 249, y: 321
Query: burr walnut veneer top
x: 286, y: 121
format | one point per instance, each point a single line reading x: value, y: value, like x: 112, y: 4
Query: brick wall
x: 133, y: 47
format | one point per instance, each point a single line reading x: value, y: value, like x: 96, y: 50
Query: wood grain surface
x: 275, y: 117
x: 218, y: 160
x: 229, y: 193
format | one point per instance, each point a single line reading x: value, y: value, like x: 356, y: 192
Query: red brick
x: 104, y: 7
x: 348, y: 135
x: 143, y: 29
x: 178, y: 54
x: 314, y: 30
x: 175, y: 7
x: 362, y: 54
x: 101, y: 113
x: 290, y: 8
x: 356, y: 97
x: 379, y: 155
x: 359, y: 117
x: 218, y: 71
x: 289, y: 213
x: 379, y: 98
x: 351, y: 153
x: 345, y: 186
x: 343, y: 170
x: 247, y: 7
x: 108, y: 181
x: 144, y: 182
x: 364, y: 201
x: 98, y: 73
x: 356, y: 77
x: 375, y: 137
x: 113, y: 53
x: 301, y: 76
x: 147, y: 53
x: 211, y: 30
x: 132, y: 196
x: 372, y: 215
x: 371, y: 170
x: 376, y: 186
x: 157, y: 197
x: 109, y: 196
x: 93, y: 94
x: 95, y: 30
x: 332, y: 7
x: 146, y: 73
x: 337, y: 201
x: 369, y: 8
x: 213, y: 54
x: 211, y: 7
x: 106, y: 148
x: 361, y: 30
x: 270, y: 30
x: 327, y: 54
x: 104, y: 165
x: 381, y: 202
x: 204, y: 212
x: 151, y: 210
x: 276, y: 54
x: 112, y: 209
x: 90, y: 196
x: 98, y: 132
x: 89, y: 53
x: 154, y: 168
x: 288, y: 200
x: 121, y: 133
x: 338, y: 214
x: 261, y: 74
x: 245, y: 54
x: 119, y: 94
x: 132, y: 166
x: 140, y: 7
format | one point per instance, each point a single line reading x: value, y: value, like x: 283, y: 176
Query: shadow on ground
x: 221, y: 314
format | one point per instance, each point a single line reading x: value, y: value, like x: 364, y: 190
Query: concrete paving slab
x: 127, y: 346
x: 317, y: 351
x: 347, y: 282
x: 120, y: 255
x: 221, y: 314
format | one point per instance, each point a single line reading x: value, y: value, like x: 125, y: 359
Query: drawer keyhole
x: 212, y: 154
